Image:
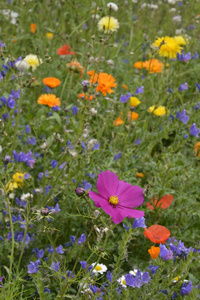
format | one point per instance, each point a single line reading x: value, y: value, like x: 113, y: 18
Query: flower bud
x: 45, y: 211
x: 79, y: 192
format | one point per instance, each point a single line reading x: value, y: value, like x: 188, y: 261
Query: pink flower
x: 117, y: 198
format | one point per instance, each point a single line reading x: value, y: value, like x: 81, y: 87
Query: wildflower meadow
x: 99, y: 149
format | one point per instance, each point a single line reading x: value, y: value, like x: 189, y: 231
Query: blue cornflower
x: 33, y: 267
x: 183, y: 87
x: 15, y: 94
x: 3, y: 100
x: 146, y: 277
x: 130, y: 280
x: 194, y: 130
x: 184, y: 57
x: 96, y: 147
x: 126, y: 227
x: 46, y: 290
x: 83, y: 145
x: 93, y: 288
x: 47, y: 189
x: 86, y: 185
x: 139, y: 222
x: 125, y: 98
x: 32, y: 141
x: 55, y: 266
x: 28, y: 129
x: 182, y: 116
x: 72, y: 239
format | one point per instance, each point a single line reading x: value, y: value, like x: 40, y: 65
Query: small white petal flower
x: 112, y: 6
x: 99, y: 268
x: 22, y: 65
x: 122, y: 281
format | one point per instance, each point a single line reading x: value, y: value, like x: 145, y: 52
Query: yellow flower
x: 168, y: 47
x: 18, y: 179
x: 49, y: 35
x: 134, y: 101
x: 180, y: 40
x: 108, y: 24
x: 151, y: 108
x: 33, y: 61
x: 160, y: 111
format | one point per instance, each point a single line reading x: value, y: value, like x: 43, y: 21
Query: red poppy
x: 65, y: 50
x: 164, y: 202
x: 157, y: 234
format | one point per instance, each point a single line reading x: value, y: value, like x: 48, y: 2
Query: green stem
x: 12, y: 233
x: 91, y: 230
x: 23, y: 243
x: 64, y: 85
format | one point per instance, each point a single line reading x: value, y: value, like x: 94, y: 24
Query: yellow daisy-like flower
x: 180, y: 40
x: 49, y: 35
x: 33, y: 61
x: 160, y: 111
x: 108, y: 24
x: 168, y: 47
x: 134, y: 101
x: 18, y: 179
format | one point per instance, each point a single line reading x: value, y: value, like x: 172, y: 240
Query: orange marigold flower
x: 65, y: 50
x: 196, y: 149
x: 154, y: 252
x: 84, y: 96
x: 132, y: 116
x: 157, y: 234
x: 125, y: 86
x: 49, y: 100
x: 164, y: 202
x: 51, y: 82
x: 33, y: 28
x: 140, y: 175
x: 105, y: 82
x: 75, y: 66
x: 118, y: 122
x: 151, y: 65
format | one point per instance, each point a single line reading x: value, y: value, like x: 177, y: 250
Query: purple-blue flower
x: 194, y: 130
x: 186, y: 288
x: 82, y: 239
x: 139, y: 222
x: 130, y: 280
x: 74, y: 110
x: 55, y: 266
x: 184, y: 57
x: 109, y: 276
x: 165, y: 253
x: 139, y: 90
x: 125, y: 98
x: 153, y: 269
x: 59, y: 249
x: 83, y: 264
x: 40, y: 253
x: 183, y: 87
x: 182, y: 116
x: 11, y: 102
x: 54, y: 163
x: 96, y: 147
x: 33, y: 267
x: 116, y: 157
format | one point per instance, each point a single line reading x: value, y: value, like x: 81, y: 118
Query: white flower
x: 177, y: 18
x: 93, y: 111
x: 72, y: 152
x: 112, y: 6
x: 12, y: 196
x: 99, y: 268
x: 92, y: 143
x: 33, y: 61
x: 24, y: 197
x: 22, y: 65
x: 122, y: 281
x: 1, y: 148
x: 96, y: 17
x: 134, y: 272
x: 172, y: 1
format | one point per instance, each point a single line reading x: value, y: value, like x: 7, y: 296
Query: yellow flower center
x: 124, y: 282
x: 98, y: 268
x: 114, y: 200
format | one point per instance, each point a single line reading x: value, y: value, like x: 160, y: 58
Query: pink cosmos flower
x: 117, y: 198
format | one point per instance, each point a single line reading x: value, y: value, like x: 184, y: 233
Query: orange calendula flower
x: 118, y: 122
x: 151, y: 65
x: 75, y: 66
x: 164, y: 202
x: 105, y: 82
x: 49, y: 100
x: 157, y: 234
x: 125, y: 86
x: 51, y: 82
x: 154, y: 252
x: 84, y: 96
x: 33, y: 28
x: 196, y: 149
x: 132, y: 116
x: 140, y: 175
